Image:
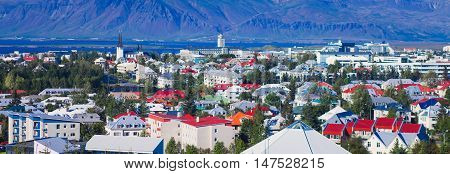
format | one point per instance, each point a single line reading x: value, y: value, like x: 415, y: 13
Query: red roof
x: 30, y: 58
x: 364, y: 125
x: 398, y: 124
x: 333, y: 129
x: 166, y: 95
x: 421, y: 87
x: 248, y: 63
x: 206, y: 121
x: 253, y: 110
x: 166, y: 118
x: 352, y: 90
x: 443, y: 85
x: 420, y: 101
x: 130, y: 113
x: 130, y: 60
x: 222, y: 87
x: 410, y: 128
x: 385, y: 123
x: 188, y: 70
x: 250, y: 86
x: 349, y: 127
x: 324, y: 84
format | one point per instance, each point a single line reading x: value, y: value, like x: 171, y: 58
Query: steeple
x: 120, y: 43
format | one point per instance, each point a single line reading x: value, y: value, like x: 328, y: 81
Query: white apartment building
x: 127, y: 67
x: 233, y: 92
x: 206, y: 132
x: 200, y: 132
x: 215, y: 77
x: 27, y: 127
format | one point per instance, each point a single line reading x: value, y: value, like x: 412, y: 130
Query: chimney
x: 197, y: 119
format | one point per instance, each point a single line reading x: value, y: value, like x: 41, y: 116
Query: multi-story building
x: 200, y: 132
x: 26, y: 127
x: 206, y: 132
x: 165, y: 126
x: 58, y: 91
x: 127, y: 124
x: 215, y: 77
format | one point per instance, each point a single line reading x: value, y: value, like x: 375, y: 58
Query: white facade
x: 233, y: 92
x: 26, y: 127
x: 206, y: 137
x: 215, y: 77
x: 220, y: 41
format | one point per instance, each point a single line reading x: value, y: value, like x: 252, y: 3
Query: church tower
x: 119, y: 49
x: 220, y: 41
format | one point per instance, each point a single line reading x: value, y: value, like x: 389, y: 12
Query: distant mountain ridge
x: 275, y: 20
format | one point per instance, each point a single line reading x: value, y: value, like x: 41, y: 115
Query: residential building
x: 215, y: 77
x: 126, y: 124
x: 58, y: 91
x: 206, y: 132
x: 102, y: 144
x: 298, y: 138
x: 55, y: 145
x: 27, y: 127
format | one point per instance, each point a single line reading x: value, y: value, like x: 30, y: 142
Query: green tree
x: 239, y: 146
x: 392, y: 113
x: 4, y: 130
x: 87, y: 131
x: 171, y: 147
x: 190, y: 149
x: 219, y: 148
x: 310, y: 116
x: 354, y: 145
x: 362, y: 102
x: 397, y: 149
x: 425, y: 147
x: 245, y: 96
x: 273, y: 100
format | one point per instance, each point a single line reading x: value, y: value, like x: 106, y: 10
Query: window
x: 215, y: 130
x: 378, y: 144
x: 379, y: 153
x: 72, y: 134
x: 65, y: 126
x: 135, y: 133
x: 57, y: 127
x: 57, y: 134
x: 368, y: 144
x: 215, y: 139
x: 72, y: 126
x: 65, y: 134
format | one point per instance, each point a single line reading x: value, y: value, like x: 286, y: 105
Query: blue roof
x: 42, y: 116
x: 428, y: 103
x: 344, y: 114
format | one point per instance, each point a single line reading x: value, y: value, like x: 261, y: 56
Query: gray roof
x: 58, y: 144
x: 86, y: 118
x: 386, y: 137
x: 128, y: 144
x: 124, y: 121
x: 386, y: 100
x: 296, y: 139
x: 244, y: 105
x: 42, y: 116
x: 217, y: 111
x: 228, y: 74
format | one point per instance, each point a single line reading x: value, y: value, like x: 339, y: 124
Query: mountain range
x: 270, y: 20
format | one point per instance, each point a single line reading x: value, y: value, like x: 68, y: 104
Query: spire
x: 120, y: 43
